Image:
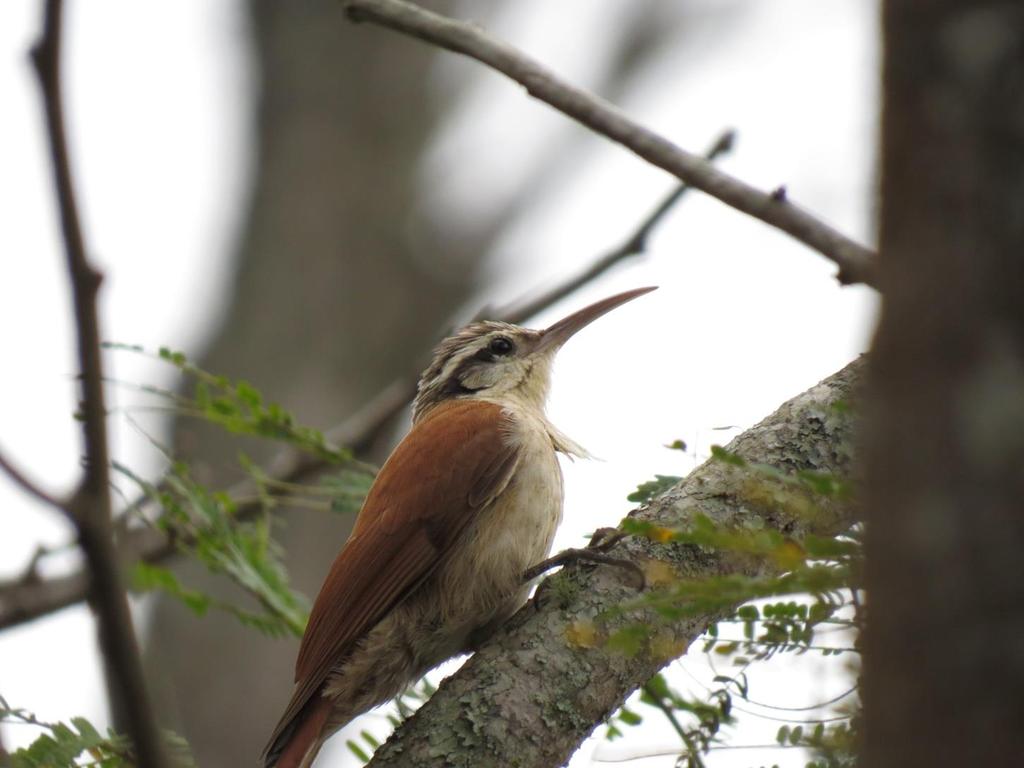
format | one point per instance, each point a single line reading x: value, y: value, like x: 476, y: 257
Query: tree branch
x: 90, y: 506
x: 529, y: 680
x: 856, y: 263
x: 25, y: 599
x: 633, y: 245
x: 29, y: 486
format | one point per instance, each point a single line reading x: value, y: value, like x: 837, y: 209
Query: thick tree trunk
x: 529, y: 696
x: 944, y: 660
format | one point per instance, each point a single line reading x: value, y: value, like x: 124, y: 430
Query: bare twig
x: 23, y: 600
x: 633, y: 245
x: 90, y: 505
x: 28, y: 486
x: 856, y: 263
x: 670, y: 715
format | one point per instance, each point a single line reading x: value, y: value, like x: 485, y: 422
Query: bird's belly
x: 515, y: 533
x: 481, y: 584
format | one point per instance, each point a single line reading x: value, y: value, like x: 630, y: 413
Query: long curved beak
x: 556, y: 335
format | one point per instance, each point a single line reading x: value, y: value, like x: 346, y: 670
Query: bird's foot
x: 603, y: 540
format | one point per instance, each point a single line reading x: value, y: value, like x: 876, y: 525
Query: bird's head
x: 503, y: 361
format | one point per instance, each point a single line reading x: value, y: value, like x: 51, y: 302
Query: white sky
x: 745, y: 317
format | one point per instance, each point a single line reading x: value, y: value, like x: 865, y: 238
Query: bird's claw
x: 595, y: 553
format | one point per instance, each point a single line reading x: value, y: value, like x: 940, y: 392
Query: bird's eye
x: 501, y: 346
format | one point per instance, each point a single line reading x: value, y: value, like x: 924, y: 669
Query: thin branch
x: 690, y: 747
x: 634, y: 245
x: 666, y: 710
x: 809, y: 707
x: 90, y: 505
x: 29, y: 486
x: 25, y: 600
x: 856, y: 262
x: 803, y: 721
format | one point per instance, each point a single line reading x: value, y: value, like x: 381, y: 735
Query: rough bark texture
x: 945, y: 450
x: 529, y: 696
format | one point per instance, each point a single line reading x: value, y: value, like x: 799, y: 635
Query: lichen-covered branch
x: 529, y: 697
x: 856, y: 262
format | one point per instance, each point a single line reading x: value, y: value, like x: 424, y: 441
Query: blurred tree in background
x: 340, y: 216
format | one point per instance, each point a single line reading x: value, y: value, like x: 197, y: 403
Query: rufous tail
x: 298, y: 745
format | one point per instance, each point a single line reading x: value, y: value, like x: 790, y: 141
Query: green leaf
x: 207, y: 528
x: 369, y: 739
x: 629, y: 640
x: 147, y: 577
x: 348, y: 489
x: 646, y: 491
x: 202, y: 396
x: 718, y: 453
x: 86, y: 729
x: 117, y: 345
x: 248, y: 394
x: 826, y: 484
x: 658, y: 686
x: 238, y: 408
x: 358, y: 751
x: 629, y: 717
x: 177, y: 359
x: 63, y: 745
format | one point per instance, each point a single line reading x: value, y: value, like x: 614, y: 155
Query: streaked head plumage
x: 496, y: 360
x: 486, y: 358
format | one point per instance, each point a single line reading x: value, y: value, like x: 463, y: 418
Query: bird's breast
x: 484, y: 575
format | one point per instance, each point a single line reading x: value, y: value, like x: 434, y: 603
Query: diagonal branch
x: 529, y: 679
x: 633, y: 245
x: 28, y: 485
x: 90, y: 505
x: 26, y: 599
x: 856, y: 262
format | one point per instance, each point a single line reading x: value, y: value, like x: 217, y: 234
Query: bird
x: 464, y: 505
